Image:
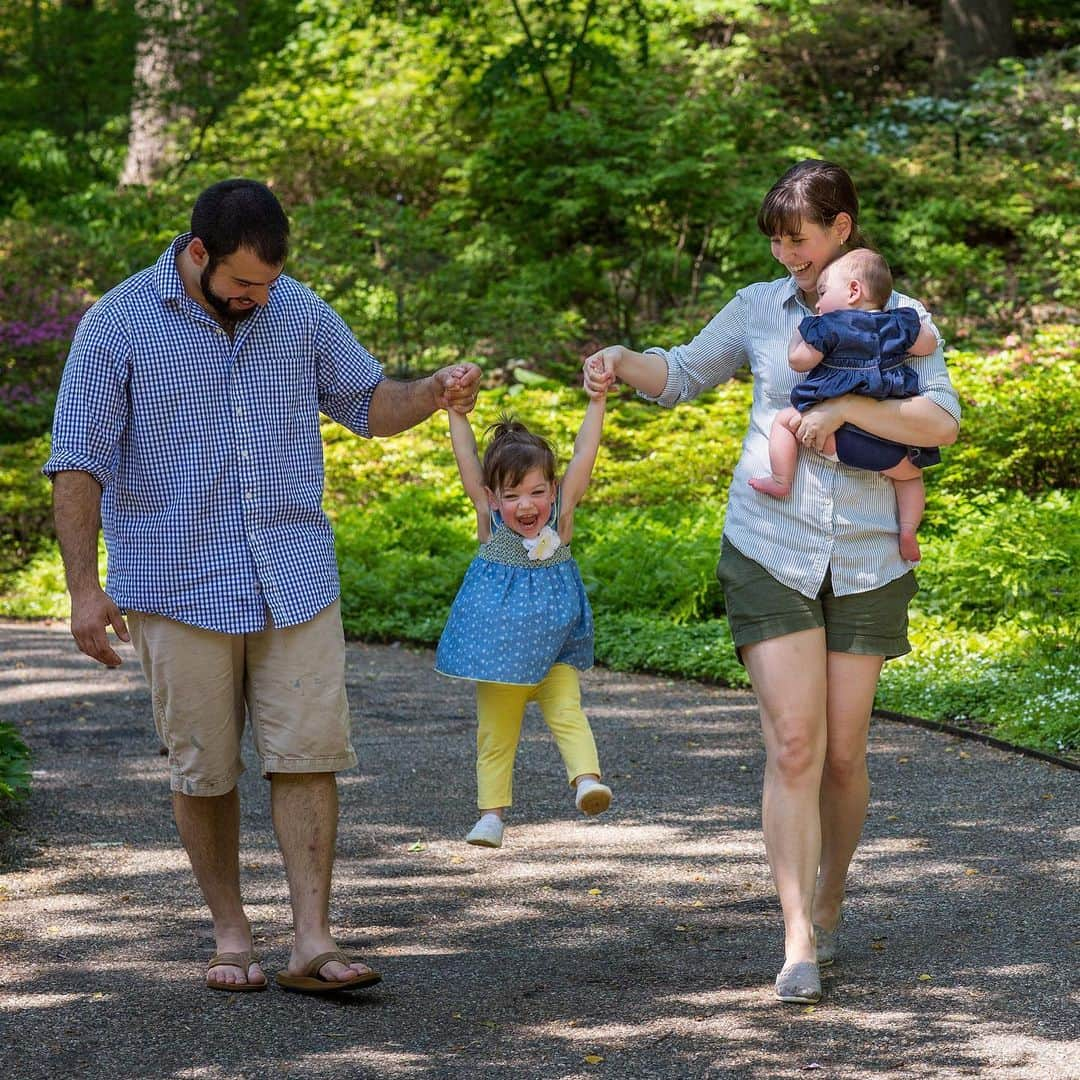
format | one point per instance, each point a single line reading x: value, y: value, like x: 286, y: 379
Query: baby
x: 853, y: 346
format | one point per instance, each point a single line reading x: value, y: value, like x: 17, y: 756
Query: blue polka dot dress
x: 514, y: 618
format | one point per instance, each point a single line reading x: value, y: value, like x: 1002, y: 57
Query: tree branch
x: 532, y: 45
x: 574, y: 53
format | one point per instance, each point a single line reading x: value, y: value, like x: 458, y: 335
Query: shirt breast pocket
x: 288, y: 383
x: 772, y: 375
x: 174, y: 395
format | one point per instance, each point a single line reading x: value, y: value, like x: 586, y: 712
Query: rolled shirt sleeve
x: 347, y: 373
x: 92, y: 405
x: 710, y: 359
x: 934, y: 381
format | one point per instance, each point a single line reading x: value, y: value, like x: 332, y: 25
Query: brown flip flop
x: 235, y: 959
x: 311, y: 982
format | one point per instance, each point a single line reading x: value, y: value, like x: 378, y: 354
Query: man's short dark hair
x: 237, y: 214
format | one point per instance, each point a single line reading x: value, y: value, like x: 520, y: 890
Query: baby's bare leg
x: 783, y: 452
x: 910, y: 504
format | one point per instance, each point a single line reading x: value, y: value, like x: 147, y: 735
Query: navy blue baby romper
x: 863, y: 352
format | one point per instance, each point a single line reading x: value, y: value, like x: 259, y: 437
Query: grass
x: 994, y: 627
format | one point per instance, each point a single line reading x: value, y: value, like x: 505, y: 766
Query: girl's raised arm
x: 468, y: 462
x: 576, y: 479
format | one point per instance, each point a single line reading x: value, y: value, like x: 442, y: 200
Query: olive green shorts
x: 872, y: 623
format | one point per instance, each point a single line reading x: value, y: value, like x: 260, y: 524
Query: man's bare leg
x: 209, y: 829
x: 305, y: 813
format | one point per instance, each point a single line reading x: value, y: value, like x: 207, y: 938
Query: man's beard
x: 219, y: 303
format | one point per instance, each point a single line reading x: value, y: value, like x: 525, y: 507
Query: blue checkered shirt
x: 208, y: 448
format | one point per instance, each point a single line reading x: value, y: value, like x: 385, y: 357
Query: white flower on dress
x: 543, y: 545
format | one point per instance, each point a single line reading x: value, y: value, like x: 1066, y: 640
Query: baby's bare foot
x: 909, y: 544
x: 769, y: 485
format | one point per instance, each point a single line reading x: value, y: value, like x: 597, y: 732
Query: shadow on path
x: 647, y: 938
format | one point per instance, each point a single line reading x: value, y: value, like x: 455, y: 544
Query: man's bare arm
x: 77, y: 513
x: 397, y: 406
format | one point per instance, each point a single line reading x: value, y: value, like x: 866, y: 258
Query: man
x: 188, y: 426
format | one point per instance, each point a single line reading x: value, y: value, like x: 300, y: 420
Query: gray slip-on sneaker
x: 487, y: 832
x: 827, y: 942
x: 799, y: 983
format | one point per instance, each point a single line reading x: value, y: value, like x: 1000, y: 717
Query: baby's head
x: 519, y: 474
x: 859, y: 279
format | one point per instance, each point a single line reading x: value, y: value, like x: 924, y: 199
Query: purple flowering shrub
x: 36, y: 327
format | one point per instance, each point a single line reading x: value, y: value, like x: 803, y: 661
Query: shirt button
x: 244, y: 454
x: 249, y: 495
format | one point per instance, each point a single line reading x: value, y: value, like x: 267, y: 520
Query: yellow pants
x: 500, y: 708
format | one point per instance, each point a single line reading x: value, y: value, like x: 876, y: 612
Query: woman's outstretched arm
x: 643, y: 371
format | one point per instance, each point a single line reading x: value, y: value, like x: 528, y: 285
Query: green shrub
x: 25, y: 501
x: 1021, y: 428
x: 1020, y: 684
x: 651, y: 560
x: 701, y: 650
x: 1002, y: 557
x: 14, y: 765
x: 37, y: 589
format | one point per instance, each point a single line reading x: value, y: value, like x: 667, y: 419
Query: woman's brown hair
x: 812, y: 191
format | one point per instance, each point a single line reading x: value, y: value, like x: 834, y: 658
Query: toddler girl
x: 521, y: 625
x: 853, y: 346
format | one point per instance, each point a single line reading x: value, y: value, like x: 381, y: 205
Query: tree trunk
x: 974, y: 33
x: 165, y: 54
x: 148, y: 142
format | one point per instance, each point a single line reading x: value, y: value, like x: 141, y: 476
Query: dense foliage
x: 515, y: 183
x: 14, y: 765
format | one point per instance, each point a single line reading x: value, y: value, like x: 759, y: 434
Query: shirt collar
x: 167, y: 278
x: 789, y: 292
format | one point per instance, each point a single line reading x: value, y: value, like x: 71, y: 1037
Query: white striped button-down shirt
x: 207, y: 447
x: 837, y: 518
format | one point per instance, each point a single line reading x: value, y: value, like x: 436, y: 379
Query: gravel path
x: 639, y: 945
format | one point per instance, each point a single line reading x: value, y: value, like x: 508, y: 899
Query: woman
x: 816, y: 590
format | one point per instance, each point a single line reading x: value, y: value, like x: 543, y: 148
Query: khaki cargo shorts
x: 290, y: 682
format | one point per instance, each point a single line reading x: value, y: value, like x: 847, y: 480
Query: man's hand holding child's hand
x: 456, y: 387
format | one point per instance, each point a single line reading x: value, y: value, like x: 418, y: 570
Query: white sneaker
x: 487, y: 832
x: 592, y: 797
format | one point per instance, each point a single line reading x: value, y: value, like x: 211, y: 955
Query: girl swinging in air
x: 521, y: 625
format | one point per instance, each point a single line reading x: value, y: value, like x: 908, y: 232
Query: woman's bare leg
x: 789, y: 677
x: 845, y: 783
